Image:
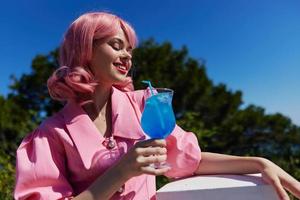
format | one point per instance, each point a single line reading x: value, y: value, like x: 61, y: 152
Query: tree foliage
x: 213, y: 112
x: 7, y: 173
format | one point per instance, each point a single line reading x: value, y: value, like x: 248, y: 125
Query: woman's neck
x: 100, y: 102
x: 101, y: 97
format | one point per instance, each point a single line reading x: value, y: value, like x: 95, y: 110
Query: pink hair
x: 74, y: 80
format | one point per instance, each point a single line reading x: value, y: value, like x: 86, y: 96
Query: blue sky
x: 250, y: 45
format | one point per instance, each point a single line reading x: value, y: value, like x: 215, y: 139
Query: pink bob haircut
x: 74, y: 80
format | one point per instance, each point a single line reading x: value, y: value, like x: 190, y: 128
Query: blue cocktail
x: 158, y: 119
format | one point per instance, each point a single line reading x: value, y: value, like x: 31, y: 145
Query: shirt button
x: 121, y: 190
x: 111, y: 144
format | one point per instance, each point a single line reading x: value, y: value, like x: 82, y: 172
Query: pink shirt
x: 67, y: 153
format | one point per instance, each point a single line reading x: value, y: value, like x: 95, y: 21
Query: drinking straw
x: 150, y: 86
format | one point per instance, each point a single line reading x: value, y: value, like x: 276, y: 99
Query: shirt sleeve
x: 41, y: 169
x: 183, y: 153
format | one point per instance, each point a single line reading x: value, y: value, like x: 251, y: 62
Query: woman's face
x: 111, y: 60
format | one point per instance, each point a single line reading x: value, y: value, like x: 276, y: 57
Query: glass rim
x: 163, y: 90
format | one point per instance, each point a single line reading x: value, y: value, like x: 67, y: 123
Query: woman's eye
x: 116, y: 46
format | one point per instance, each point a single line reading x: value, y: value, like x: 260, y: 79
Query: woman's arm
x: 213, y: 163
x: 134, y: 163
x: 105, y: 186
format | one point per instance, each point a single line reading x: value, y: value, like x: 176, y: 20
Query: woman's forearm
x: 134, y: 163
x: 213, y: 163
x: 105, y: 186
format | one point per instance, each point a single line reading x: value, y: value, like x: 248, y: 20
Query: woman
x: 94, y: 148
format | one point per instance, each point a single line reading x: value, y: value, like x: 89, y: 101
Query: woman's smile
x: 121, y: 67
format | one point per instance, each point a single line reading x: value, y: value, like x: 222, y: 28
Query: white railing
x: 218, y: 187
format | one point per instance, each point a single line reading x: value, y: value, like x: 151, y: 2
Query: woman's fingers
x: 145, y: 161
x: 148, y: 151
x: 152, y: 143
x: 292, y: 185
x: 144, y: 153
x: 153, y: 171
x: 279, y: 189
x: 288, y: 182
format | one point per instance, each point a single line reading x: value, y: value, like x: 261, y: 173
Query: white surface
x: 213, y: 187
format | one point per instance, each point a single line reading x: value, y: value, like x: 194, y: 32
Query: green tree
x: 30, y: 90
x: 15, y: 122
x: 7, y: 175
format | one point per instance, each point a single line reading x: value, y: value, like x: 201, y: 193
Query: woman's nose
x: 126, y: 55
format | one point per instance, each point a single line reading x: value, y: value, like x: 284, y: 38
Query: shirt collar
x: 126, y: 117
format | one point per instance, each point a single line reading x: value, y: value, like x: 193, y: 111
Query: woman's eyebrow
x: 118, y: 40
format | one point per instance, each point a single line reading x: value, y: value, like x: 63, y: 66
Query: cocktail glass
x: 158, y: 120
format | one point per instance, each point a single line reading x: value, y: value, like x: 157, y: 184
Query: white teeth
x: 121, y: 67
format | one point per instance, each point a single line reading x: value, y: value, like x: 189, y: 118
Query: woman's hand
x: 135, y: 162
x: 279, y: 179
x: 138, y: 159
x: 214, y: 163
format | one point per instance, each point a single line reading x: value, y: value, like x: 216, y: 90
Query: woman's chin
x: 121, y: 77
x: 123, y: 82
